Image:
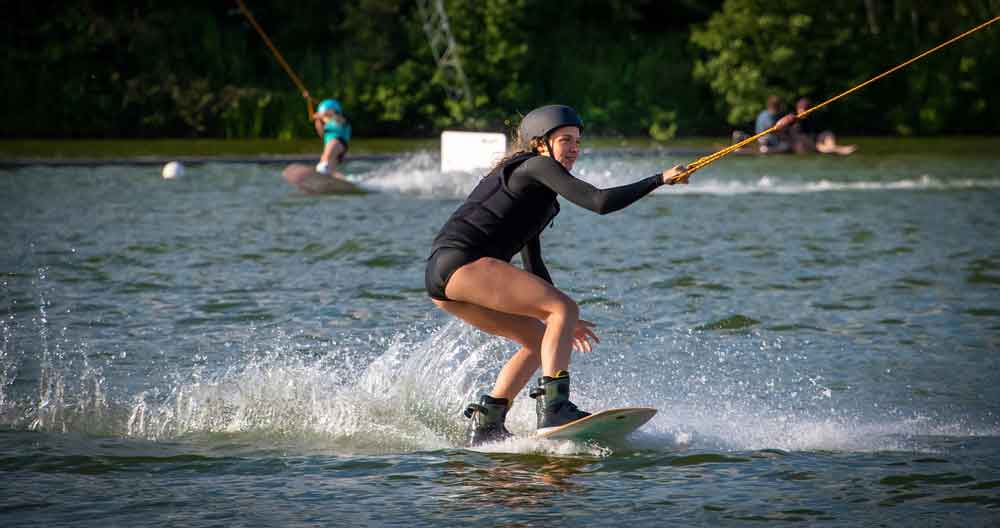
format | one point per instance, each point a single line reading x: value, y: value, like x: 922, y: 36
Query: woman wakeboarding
x: 469, y: 274
x: 331, y: 125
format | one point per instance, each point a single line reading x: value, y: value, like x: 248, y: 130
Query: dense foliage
x: 794, y: 48
x: 140, y: 68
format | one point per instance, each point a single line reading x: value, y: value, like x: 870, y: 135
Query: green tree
x: 493, y: 47
x: 787, y: 48
x: 141, y: 68
x: 625, y: 64
x: 790, y: 48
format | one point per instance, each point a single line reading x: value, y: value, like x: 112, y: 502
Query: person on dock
x: 469, y: 274
x: 775, y: 142
x: 805, y: 137
x: 331, y: 125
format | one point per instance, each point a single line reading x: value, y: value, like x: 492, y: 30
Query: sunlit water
x: 819, y: 334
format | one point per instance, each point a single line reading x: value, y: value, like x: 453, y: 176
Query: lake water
x: 820, y: 335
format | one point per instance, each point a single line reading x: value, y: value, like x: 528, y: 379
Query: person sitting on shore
x: 806, y: 139
x: 775, y: 142
x: 331, y: 125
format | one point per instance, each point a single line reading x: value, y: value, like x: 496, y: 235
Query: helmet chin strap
x: 548, y: 146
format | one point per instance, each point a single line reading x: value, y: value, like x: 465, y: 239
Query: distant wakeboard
x: 306, y: 179
x: 605, y: 425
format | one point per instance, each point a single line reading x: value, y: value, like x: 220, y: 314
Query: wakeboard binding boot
x: 552, y: 405
x: 488, y: 417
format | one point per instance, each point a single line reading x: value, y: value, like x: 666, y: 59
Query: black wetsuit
x: 509, y: 209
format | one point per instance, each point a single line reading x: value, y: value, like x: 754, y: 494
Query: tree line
x: 144, y: 69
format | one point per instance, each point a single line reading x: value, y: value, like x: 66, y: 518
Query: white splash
x: 420, y: 174
x: 408, y: 394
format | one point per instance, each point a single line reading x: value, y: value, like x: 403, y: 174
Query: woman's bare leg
x: 499, y: 286
x: 331, y: 156
x: 525, y: 331
x: 827, y: 144
x: 328, y: 151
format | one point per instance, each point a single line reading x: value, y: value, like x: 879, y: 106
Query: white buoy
x: 173, y: 170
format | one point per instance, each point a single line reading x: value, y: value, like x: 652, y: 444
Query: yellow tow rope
x: 733, y: 148
x: 277, y: 55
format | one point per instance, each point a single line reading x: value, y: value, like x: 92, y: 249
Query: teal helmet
x: 330, y: 104
x: 541, y: 121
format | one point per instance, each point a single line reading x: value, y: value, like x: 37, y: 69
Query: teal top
x: 335, y: 130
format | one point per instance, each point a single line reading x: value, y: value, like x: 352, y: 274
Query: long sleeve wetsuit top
x: 509, y: 208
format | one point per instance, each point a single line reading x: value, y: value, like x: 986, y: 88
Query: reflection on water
x: 518, y: 483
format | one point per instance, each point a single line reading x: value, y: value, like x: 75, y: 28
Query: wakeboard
x: 306, y: 179
x: 605, y: 425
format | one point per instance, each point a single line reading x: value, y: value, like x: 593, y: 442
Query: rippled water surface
x: 819, y: 334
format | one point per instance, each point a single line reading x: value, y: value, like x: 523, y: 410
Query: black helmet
x: 540, y: 121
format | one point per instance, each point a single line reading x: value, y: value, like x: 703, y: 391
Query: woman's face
x: 565, y: 143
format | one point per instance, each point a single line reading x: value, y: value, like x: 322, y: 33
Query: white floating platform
x: 471, y: 151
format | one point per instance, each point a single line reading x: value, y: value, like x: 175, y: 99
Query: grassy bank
x: 127, y: 148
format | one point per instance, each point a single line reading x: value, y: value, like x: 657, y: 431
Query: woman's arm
x: 531, y: 255
x: 551, y: 174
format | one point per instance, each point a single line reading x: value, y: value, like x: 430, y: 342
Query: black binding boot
x: 488, y: 418
x: 552, y: 403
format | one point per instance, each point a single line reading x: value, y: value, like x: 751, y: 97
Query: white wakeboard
x: 605, y: 425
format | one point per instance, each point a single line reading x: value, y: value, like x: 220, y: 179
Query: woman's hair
x: 518, y: 147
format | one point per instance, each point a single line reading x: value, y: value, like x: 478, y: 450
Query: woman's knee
x: 563, y: 307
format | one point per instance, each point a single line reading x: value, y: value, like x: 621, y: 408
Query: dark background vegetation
x: 186, y: 68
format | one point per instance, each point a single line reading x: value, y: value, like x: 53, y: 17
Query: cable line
x: 277, y: 55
